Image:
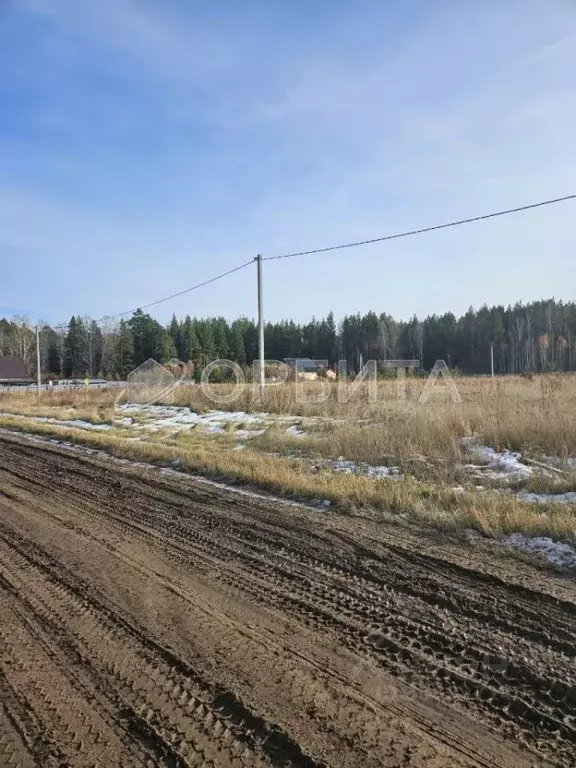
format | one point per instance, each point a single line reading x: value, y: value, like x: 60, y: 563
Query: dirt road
x: 152, y: 620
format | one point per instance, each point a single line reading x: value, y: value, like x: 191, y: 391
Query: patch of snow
x: 86, y: 425
x: 60, y: 422
x: 248, y: 433
x: 352, y: 468
x: 214, y: 429
x: 555, y: 462
x: 547, y: 498
x: 554, y: 551
x: 79, y: 423
x: 379, y: 471
x: 342, y: 465
x: 295, y: 431
x: 499, y: 465
x: 181, y: 417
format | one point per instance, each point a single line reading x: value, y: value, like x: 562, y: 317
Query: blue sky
x: 146, y: 145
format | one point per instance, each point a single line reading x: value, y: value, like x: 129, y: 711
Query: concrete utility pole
x: 492, y: 359
x: 261, y: 372
x: 38, y: 361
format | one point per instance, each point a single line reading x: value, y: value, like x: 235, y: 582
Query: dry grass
x: 354, y: 494
x: 60, y: 398
x: 535, y: 417
x: 400, y: 440
x: 95, y: 406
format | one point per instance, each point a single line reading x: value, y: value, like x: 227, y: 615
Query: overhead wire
x: 342, y: 246
x: 411, y: 232
x: 180, y: 293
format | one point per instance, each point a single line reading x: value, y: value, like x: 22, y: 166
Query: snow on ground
x: 78, y: 423
x: 177, y: 418
x: 295, y: 431
x: 555, y: 552
x: 162, y: 417
x: 508, y: 466
x: 141, y: 419
x: 75, y: 423
x: 505, y: 465
x: 553, y: 462
x: 240, y: 433
x: 180, y: 417
x: 547, y: 498
x: 354, y: 468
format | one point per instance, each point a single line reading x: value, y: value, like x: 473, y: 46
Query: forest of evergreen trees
x: 535, y: 337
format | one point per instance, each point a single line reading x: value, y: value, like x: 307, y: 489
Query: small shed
x: 13, y: 371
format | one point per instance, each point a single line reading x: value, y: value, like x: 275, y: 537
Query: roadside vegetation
x: 302, y: 447
x: 534, y: 415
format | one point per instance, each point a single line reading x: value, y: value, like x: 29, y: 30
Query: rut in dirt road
x: 149, y: 619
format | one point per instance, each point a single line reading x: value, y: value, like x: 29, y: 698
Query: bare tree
x: 23, y: 341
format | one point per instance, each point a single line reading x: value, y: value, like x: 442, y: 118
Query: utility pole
x: 261, y: 372
x: 38, y: 361
x: 492, y: 359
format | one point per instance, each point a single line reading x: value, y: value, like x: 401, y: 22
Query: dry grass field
x: 427, y: 444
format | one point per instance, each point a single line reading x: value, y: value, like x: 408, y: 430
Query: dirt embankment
x: 151, y: 620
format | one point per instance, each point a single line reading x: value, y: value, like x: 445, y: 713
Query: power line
x: 423, y: 230
x: 181, y: 293
x: 342, y: 246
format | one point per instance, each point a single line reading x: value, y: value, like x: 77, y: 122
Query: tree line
x: 524, y: 338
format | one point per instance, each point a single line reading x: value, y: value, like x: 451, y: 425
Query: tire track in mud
x: 64, y: 723
x: 14, y: 721
x: 348, y: 713
x: 501, y: 653
x: 164, y: 702
x: 403, y: 646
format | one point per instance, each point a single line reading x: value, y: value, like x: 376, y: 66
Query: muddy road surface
x: 149, y: 619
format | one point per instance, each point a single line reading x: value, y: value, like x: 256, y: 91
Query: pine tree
x: 193, y: 345
x: 53, y: 362
x: 220, y: 332
x: 93, y: 345
x: 151, y: 340
x: 124, y: 350
x: 165, y: 349
x: 174, y: 330
x: 75, y: 348
x: 237, y: 346
x: 182, y: 343
x: 206, y: 342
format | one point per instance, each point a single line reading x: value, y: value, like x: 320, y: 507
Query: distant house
x: 305, y: 367
x: 13, y: 371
